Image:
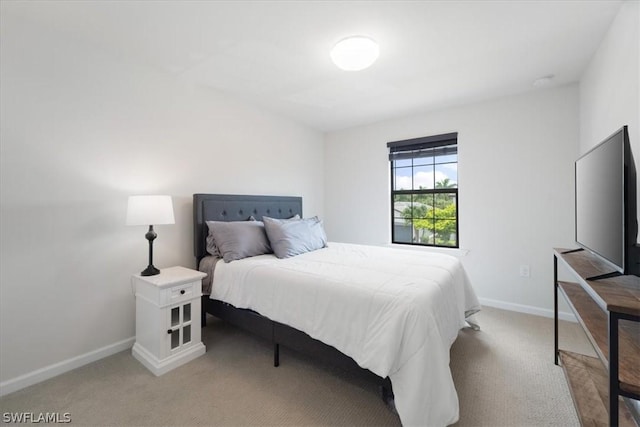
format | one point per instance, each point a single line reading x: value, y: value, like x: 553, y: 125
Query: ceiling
x: 275, y: 54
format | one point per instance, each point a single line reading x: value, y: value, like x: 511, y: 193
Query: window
x: 424, y: 190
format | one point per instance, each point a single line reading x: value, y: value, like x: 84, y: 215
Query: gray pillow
x: 294, y: 237
x: 211, y: 244
x: 237, y: 239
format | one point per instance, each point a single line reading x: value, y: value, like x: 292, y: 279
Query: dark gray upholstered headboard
x: 233, y: 207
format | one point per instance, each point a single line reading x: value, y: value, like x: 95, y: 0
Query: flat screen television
x: 606, y: 209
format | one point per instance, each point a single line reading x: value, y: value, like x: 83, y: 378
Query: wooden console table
x: 608, y: 308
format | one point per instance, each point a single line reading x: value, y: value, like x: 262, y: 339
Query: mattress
x: 395, y: 312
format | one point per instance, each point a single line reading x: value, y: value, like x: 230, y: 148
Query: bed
x: 388, y: 313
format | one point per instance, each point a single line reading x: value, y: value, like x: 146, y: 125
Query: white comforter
x: 395, y: 312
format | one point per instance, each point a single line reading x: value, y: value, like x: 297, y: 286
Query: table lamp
x: 149, y: 210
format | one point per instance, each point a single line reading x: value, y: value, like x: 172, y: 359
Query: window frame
x: 417, y: 144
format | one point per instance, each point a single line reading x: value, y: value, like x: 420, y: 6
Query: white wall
x: 515, y: 167
x: 610, y: 86
x: 80, y: 132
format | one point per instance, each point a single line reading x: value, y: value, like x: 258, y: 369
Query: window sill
x: 457, y: 252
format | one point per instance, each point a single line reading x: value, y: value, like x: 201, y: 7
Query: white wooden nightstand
x: 167, y: 318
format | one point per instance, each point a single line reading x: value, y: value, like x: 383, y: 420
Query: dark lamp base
x: 150, y: 271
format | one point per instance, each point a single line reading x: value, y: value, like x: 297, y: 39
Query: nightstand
x: 167, y: 318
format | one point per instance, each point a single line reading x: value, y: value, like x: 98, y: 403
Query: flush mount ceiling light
x: 355, y: 53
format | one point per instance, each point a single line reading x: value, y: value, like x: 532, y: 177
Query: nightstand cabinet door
x: 182, y: 331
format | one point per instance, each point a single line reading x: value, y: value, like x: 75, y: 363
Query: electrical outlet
x: 525, y: 271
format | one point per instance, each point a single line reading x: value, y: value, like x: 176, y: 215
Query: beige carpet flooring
x: 504, y: 375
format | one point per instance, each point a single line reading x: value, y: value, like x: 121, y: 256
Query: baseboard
x: 56, y: 369
x: 528, y: 309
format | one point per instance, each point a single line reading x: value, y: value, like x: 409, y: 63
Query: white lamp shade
x: 150, y: 210
x: 355, y: 53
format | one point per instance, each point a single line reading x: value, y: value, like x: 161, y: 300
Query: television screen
x: 600, y: 200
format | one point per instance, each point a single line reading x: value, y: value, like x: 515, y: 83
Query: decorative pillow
x: 237, y: 239
x: 290, y: 238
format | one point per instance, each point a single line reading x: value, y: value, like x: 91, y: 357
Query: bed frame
x: 225, y: 207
